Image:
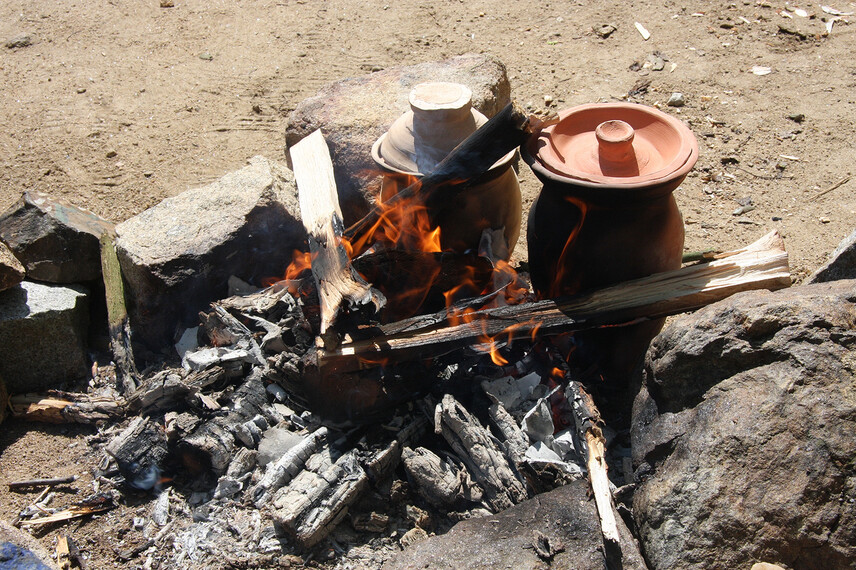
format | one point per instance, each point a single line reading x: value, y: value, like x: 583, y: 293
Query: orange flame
x: 562, y: 283
x: 300, y: 261
x: 402, y: 224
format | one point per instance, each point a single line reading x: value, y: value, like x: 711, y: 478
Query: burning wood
x: 335, y: 279
x: 761, y: 265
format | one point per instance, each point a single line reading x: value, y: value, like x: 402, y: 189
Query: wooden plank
x: 335, y: 279
x: 761, y: 265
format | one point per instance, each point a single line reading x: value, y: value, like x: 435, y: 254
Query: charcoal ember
x: 370, y: 522
x: 213, y: 444
x: 139, y: 452
x: 440, y: 482
x: 482, y: 454
x: 56, y: 242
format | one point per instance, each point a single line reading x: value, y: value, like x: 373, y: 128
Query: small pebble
x: 797, y: 117
x: 605, y: 30
x: 81, y: 89
x: 776, y: 218
x: 824, y: 220
x: 676, y: 100
x: 548, y: 100
x: 206, y: 56
x: 111, y: 153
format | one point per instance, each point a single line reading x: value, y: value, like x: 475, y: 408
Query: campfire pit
x: 316, y: 392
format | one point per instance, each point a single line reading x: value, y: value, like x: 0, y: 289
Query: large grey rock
x: 43, y: 331
x: 841, y: 264
x: 11, y: 270
x: 746, y: 433
x: 56, y: 242
x: 178, y: 255
x: 354, y: 113
x: 41, y: 559
x: 565, y: 519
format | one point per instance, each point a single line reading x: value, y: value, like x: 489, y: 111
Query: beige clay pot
x: 441, y: 117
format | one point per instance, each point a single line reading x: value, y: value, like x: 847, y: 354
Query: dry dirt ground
x: 115, y: 105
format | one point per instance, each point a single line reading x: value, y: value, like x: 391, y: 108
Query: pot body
x: 577, y: 243
x: 583, y: 237
x: 491, y: 202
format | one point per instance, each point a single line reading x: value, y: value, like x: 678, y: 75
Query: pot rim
x: 376, y: 156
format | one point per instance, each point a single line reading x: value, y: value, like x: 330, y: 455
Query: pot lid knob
x: 615, y: 151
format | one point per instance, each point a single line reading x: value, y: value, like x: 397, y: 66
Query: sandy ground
x: 115, y: 105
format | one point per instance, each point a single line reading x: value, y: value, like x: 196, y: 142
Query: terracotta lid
x: 617, y: 144
x: 440, y: 117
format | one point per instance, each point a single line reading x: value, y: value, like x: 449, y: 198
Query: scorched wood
x: 117, y: 315
x: 482, y: 454
x: 214, y: 443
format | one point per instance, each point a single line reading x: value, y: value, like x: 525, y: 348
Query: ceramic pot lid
x: 617, y: 144
x: 440, y: 117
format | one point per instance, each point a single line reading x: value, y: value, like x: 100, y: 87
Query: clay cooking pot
x: 606, y: 212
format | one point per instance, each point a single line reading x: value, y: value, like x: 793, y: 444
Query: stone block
x: 558, y: 530
x: 56, y: 242
x: 743, y: 433
x: 354, y: 113
x: 11, y: 270
x: 43, y: 331
x: 841, y: 264
x: 177, y: 256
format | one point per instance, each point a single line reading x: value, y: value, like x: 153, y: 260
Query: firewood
x: 588, y: 423
x: 98, y: 503
x: 761, y: 265
x: 117, y: 316
x: 63, y: 407
x: 314, y: 501
x: 514, y: 440
x: 482, y: 454
x: 280, y: 472
x: 62, y: 552
x: 504, y: 132
x: 172, y: 389
x: 439, y: 481
x: 335, y: 279
x: 139, y: 452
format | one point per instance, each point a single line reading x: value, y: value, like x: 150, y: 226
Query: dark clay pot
x: 615, y: 225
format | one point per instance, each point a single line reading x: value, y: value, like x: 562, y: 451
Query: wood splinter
x: 53, y: 481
